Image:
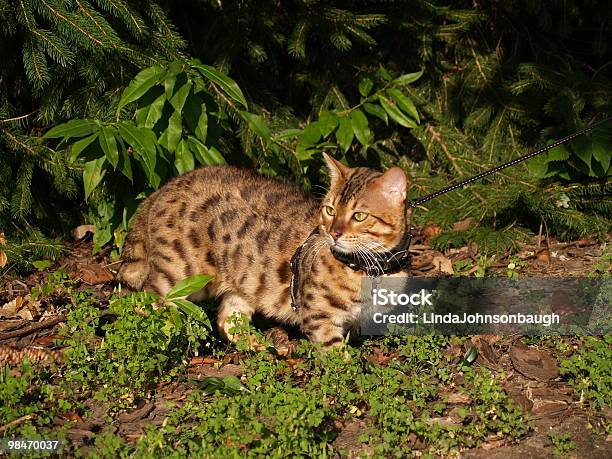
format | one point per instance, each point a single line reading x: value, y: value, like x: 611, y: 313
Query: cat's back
x: 227, y: 192
x: 214, y: 214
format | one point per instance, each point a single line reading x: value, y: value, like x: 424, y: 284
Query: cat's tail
x: 135, y: 268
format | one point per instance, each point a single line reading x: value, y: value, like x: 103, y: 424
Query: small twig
x: 8, y: 120
x: 436, y: 136
x: 547, y: 236
x: 34, y: 327
x: 113, y: 263
x: 540, y: 234
x: 14, y: 422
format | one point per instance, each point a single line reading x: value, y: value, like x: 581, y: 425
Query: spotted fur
x: 243, y: 228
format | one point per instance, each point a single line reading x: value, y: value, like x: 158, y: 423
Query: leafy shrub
x: 589, y: 371
x: 173, y: 117
x: 144, y: 344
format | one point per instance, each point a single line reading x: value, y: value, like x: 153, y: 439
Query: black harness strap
x: 295, y: 270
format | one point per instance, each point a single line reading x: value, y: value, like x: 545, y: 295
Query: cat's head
x: 364, y: 209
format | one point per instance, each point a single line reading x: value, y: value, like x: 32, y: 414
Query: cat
x: 244, y: 228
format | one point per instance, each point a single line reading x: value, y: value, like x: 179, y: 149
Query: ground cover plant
x: 104, y: 101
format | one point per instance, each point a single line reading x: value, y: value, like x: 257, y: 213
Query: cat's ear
x: 393, y: 185
x: 337, y: 170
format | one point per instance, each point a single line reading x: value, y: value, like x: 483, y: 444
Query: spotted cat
x: 244, y: 229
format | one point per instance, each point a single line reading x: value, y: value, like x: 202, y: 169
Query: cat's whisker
x: 313, y: 251
x: 371, y: 256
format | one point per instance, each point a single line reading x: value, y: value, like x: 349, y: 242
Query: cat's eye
x: 329, y: 210
x: 360, y: 216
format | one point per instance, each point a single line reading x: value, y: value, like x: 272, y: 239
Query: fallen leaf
x: 443, y: 264
x: 83, y: 230
x: 521, y: 400
x: 379, y: 358
x: 10, y: 309
x: 534, y: 364
x: 203, y: 361
x: 137, y: 414
x: 72, y: 416
x: 548, y: 408
x: 45, y: 340
x: 430, y: 230
x: 2, y: 239
x: 205, y: 371
x: 456, y: 398
x: 543, y: 255
x: 95, y: 274
x: 3, y: 259
x: 473, y: 249
x: 463, y: 224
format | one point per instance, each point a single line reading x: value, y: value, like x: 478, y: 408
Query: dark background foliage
x: 499, y: 78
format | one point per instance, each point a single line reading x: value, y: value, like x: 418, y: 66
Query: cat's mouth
x: 353, y: 248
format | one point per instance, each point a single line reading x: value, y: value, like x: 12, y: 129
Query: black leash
x: 398, y: 258
x: 539, y: 151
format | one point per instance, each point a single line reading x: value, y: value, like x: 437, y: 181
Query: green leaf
x: 344, y: 134
x: 143, y: 142
x: 471, y: 355
x: 101, y: 237
x: 560, y: 153
x: 169, y: 83
x: 148, y: 102
x: 41, y: 264
x: 192, y: 310
x: 583, y: 148
x: 125, y: 163
x: 183, y: 158
x: 227, y: 85
x: 73, y: 128
x: 304, y: 152
x: 311, y: 134
x: 204, y: 155
x: 376, y: 111
x: 150, y: 114
x: 257, y: 124
x: 288, y: 134
x: 109, y: 145
x: 180, y: 96
x: 188, y: 286
x: 233, y: 384
x: 328, y: 121
x: 384, y: 73
x: 365, y: 86
x: 404, y: 102
x: 602, y: 148
x: 408, y: 78
x: 196, y: 116
x: 93, y: 173
x: 360, y: 127
x: 77, y: 147
x: 141, y: 83
x: 395, y: 114
x: 171, y: 136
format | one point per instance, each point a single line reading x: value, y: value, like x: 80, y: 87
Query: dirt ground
x: 533, y: 376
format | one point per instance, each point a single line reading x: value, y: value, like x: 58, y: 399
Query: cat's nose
x: 335, y: 234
